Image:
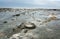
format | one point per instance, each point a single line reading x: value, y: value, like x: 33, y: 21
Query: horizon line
x: 31, y: 7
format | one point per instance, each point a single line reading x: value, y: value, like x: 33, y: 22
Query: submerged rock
x: 16, y: 15
x: 5, y: 22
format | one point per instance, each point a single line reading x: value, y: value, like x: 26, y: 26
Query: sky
x: 30, y: 3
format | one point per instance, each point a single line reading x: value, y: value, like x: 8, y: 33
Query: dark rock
x: 5, y: 22
x: 13, y: 29
x: 54, y: 9
x: 21, y: 26
x: 16, y: 15
x: 25, y: 31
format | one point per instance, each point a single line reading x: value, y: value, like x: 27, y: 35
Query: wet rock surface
x: 30, y: 24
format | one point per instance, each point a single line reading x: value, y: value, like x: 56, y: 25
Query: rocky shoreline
x: 29, y: 24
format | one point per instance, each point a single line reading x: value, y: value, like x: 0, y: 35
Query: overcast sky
x: 30, y: 3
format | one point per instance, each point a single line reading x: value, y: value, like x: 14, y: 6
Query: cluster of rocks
x: 23, y: 27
